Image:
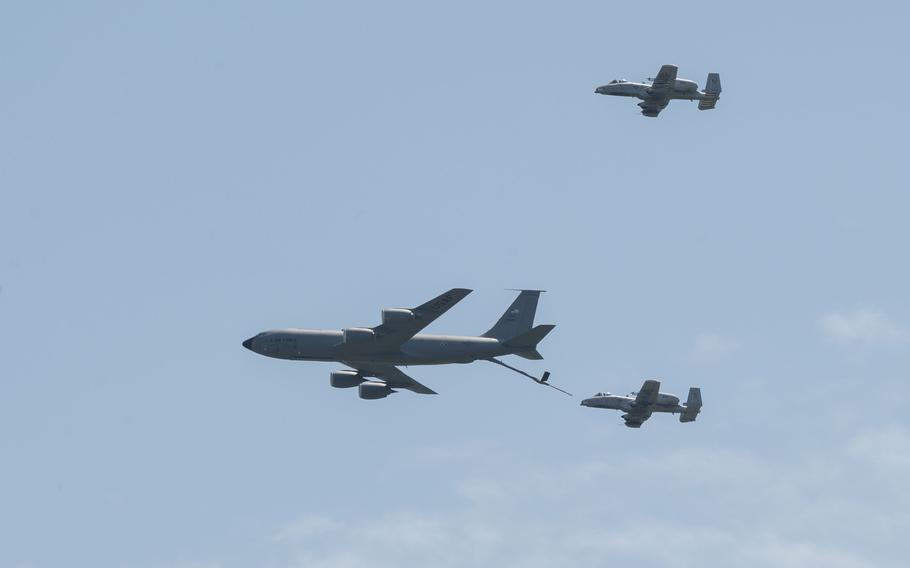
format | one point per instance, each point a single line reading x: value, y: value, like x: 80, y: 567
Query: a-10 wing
x: 659, y: 91
x: 652, y: 107
x: 390, y: 336
x: 648, y: 393
x: 641, y: 406
x: 665, y: 80
x: 634, y: 420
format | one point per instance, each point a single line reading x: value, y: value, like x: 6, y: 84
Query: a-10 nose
x: 248, y: 344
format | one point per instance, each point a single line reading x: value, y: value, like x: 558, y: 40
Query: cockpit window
x: 613, y: 82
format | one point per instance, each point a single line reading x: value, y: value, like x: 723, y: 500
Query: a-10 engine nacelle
x: 667, y: 399
x: 346, y: 379
x: 685, y: 85
x: 371, y: 390
x: 397, y: 315
x: 357, y: 335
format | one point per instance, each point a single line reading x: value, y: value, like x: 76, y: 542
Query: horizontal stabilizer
x: 532, y: 354
x: 688, y: 416
x: 530, y: 338
x: 707, y: 103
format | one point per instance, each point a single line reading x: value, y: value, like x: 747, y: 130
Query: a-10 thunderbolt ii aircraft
x: 656, y: 93
x: 639, y: 406
x: 374, y: 353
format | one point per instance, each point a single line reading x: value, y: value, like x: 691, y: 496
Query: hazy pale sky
x: 177, y: 176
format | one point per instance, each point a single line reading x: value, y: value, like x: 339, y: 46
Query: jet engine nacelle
x: 371, y: 390
x: 357, y: 335
x: 397, y: 315
x: 667, y: 399
x: 346, y: 379
x: 685, y: 85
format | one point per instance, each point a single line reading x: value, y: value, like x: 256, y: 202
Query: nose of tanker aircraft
x: 248, y: 344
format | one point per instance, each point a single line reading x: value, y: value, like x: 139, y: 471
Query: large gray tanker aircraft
x: 374, y: 353
x: 656, y: 93
x: 639, y: 406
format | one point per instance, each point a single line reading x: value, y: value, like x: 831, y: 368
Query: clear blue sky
x: 178, y: 176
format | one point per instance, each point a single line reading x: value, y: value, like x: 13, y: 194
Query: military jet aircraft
x: 656, y: 93
x: 374, y: 353
x: 639, y: 406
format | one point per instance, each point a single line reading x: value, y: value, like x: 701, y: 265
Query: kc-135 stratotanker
x: 375, y: 353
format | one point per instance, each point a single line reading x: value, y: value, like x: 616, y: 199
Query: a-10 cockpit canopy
x: 614, y: 81
x: 602, y: 394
